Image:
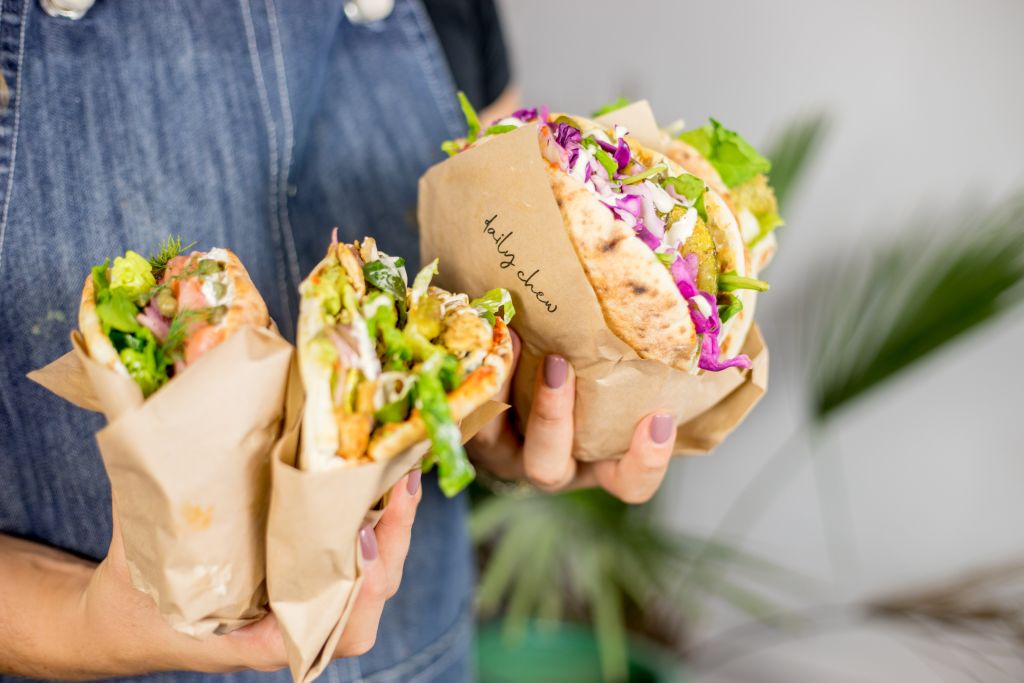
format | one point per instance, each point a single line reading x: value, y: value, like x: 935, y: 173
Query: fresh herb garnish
x: 730, y: 282
x: 170, y: 248
x: 472, y: 120
x: 499, y: 129
x: 644, y: 175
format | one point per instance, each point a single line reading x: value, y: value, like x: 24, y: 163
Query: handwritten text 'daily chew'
x: 509, y: 261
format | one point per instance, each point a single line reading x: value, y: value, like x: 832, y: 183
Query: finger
x: 394, y: 530
x: 547, y: 449
x: 259, y: 645
x: 360, y: 632
x: 383, y: 549
x: 639, y: 473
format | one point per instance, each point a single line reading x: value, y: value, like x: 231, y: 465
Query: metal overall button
x: 66, y: 9
x: 368, y: 11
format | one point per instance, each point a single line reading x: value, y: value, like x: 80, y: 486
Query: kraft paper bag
x: 314, y: 566
x: 189, y: 468
x: 489, y: 214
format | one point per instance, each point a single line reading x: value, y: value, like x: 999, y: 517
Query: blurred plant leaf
x: 886, y: 311
x: 790, y: 152
x: 588, y: 552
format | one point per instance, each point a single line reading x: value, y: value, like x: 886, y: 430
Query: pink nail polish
x: 661, y: 428
x: 413, y: 485
x: 368, y: 543
x: 556, y: 371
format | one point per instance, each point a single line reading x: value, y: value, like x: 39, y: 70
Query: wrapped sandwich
x: 394, y: 374
x: 151, y: 318
x: 386, y: 365
x: 178, y: 351
x: 662, y: 250
x: 632, y: 268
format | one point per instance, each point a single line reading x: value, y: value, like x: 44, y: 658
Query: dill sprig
x: 170, y: 248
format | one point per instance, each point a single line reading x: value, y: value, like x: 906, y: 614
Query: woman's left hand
x: 543, y: 456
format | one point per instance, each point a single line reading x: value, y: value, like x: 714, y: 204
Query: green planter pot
x: 563, y: 653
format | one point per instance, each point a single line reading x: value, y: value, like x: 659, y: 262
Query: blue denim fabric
x: 257, y: 125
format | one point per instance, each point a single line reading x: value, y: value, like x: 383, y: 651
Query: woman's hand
x: 543, y: 455
x: 65, y: 618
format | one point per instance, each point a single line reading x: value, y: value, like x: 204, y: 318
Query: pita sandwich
x: 386, y: 365
x: 661, y: 249
x: 150, y: 319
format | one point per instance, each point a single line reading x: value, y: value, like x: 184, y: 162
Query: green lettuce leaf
x: 689, y: 186
x: 132, y: 274
x: 490, y: 303
x: 422, y: 281
x: 454, y: 469
x: 386, y: 278
x: 503, y: 128
x: 730, y: 309
x: 734, y: 158
x: 451, y: 147
x: 144, y: 361
x: 472, y: 120
x: 396, y: 411
x: 614, y: 105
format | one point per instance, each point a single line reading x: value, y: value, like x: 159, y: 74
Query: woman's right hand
x: 100, y: 625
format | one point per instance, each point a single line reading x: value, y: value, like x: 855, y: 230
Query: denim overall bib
x: 252, y: 124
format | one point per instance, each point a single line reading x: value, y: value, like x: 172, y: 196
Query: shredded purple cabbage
x: 648, y: 237
x: 569, y: 138
x: 562, y: 147
x: 524, y: 115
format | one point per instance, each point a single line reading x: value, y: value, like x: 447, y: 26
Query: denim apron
x: 252, y: 124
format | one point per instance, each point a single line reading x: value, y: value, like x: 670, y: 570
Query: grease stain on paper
x: 213, y: 577
x: 197, y: 517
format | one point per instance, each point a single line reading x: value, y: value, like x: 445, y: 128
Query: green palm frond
x: 888, y: 310
x: 586, y: 552
x: 790, y: 152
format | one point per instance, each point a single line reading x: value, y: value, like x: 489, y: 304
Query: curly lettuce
x: 734, y: 158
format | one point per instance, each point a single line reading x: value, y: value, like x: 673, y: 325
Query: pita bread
x: 98, y: 344
x: 322, y: 434
x: 247, y: 308
x: 638, y: 296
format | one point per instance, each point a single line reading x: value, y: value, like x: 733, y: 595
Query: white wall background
x: 927, y: 100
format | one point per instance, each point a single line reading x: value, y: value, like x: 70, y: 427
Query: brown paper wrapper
x: 314, y: 567
x: 490, y: 216
x: 189, y: 469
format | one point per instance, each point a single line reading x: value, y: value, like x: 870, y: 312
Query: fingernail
x: 368, y: 543
x: 661, y: 427
x: 413, y: 485
x: 555, y: 371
